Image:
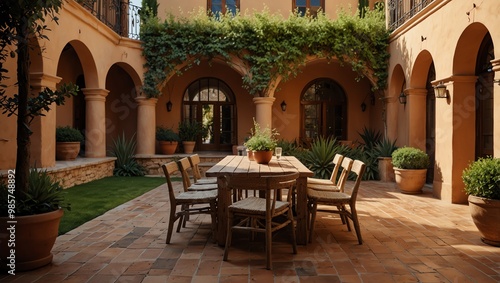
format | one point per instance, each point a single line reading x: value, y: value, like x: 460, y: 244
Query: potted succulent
x: 189, y: 130
x: 262, y: 143
x: 482, y: 184
x: 410, y: 169
x: 33, y: 222
x: 68, y: 141
x: 167, y: 139
x: 384, y: 149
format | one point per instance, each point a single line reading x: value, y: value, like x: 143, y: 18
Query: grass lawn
x: 95, y: 198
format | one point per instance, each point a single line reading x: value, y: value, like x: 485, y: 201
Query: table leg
x: 301, y: 229
x: 224, y: 201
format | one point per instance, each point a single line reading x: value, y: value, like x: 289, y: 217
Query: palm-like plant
x: 319, y: 158
x: 126, y: 165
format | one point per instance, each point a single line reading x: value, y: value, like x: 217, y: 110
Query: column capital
x: 416, y: 91
x: 144, y: 101
x: 40, y: 79
x: 97, y: 94
x: 264, y: 100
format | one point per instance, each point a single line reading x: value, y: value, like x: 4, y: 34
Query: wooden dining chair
x: 338, y: 184
x: 189, y: 202
x: 337, y: 161
x: 185, y: 167
x: 195, y: 161
x: 259, y: 214
x: 338, y: 201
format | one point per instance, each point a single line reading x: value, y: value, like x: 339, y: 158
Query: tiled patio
x: 407, y: 238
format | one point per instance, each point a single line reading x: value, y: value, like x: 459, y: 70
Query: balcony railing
x: 119, y: 15
x: 402, y: 10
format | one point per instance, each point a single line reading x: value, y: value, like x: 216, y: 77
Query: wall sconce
x: 283, y: 106
x: 440, y: 91
x: 402, y: 98
x: 169, y: 106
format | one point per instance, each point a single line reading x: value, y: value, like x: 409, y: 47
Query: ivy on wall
x: 268, y: 46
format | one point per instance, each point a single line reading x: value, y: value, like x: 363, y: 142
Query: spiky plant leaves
x: 126, y: 165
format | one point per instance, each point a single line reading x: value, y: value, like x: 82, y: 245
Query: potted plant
x: 482, y: 184
x: 68, y: 141
x: 189, y: 130
x: 33, y: 223
x: 410, y: 169
x: 262, y: 143
x: 167, y: 139
x: 384, y: 150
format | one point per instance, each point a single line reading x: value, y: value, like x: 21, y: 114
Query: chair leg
x: 345, y: 215
x: 170, y: 225
x: 182, y: 219
x: 213, y: 213
x: 228, y: 235
x: 355, y: 221
x: 294, y: 237
x: 269, y: 240
x: 314, y: 207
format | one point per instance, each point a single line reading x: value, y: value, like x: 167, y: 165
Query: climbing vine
x: 269, y: 46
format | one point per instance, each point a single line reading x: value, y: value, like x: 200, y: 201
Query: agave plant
x: 126, y: 165
x: 319, y: 158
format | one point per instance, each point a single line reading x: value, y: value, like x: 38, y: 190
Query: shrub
x: 68, y: 134
x: 166, y: 134
x: 189, y: 130
x: 262, y: 139
x: 482, y: 178
x: 410, y: 158
x: 126, y: 165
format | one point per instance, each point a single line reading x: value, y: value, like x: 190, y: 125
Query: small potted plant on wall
x: 262, y: 143
x: 68, y: 141
x: 189, y: 130
x: 410, y: 169
x: 167, y: 139
x: 482, y: 184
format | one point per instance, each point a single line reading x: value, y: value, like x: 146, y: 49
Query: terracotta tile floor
x: 407, y: 238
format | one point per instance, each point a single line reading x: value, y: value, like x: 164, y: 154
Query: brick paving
x: 407, y: 238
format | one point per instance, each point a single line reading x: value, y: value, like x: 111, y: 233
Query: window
x: 312, y: 5
x: 223, y: 6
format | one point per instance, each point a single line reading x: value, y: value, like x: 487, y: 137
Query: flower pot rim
x: 396, y: 168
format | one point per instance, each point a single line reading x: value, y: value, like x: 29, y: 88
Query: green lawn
x: 95, y: 198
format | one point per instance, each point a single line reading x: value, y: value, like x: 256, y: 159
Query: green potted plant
x: 189, y: 130
x: 410, y: 169
x: 68, y: 141
x: 36, y: 221
x: 482, y: 183
x: 167, y: 140
x: 262, y: 143
x: 384, y: 149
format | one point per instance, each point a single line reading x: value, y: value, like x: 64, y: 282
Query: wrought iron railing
x: 402, y: 10
x: 119, y: 15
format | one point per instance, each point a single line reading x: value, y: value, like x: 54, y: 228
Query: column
x: 43, y: 139
x: 95, y: 122
x: 263, y: 111
x: 146, y: 125
x: 416, y: 107
x: 496, y: 109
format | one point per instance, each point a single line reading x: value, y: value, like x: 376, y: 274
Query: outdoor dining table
x: 241, y: 165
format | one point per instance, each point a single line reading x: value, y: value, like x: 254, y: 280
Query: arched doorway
x: 323, y: 110
x: 211, y: 102
x: 430, y: 127
x: 484, y: 99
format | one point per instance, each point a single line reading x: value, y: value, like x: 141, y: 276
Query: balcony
x: 401, y: 11
x: 119, y: 15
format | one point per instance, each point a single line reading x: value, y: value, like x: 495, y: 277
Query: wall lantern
x: 283, y: 106
x: 440, y: 91
x: 402, y: 98
x: 169, y: 106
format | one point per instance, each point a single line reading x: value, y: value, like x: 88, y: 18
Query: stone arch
x: 395, y: 122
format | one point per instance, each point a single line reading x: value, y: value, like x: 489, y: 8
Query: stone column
x: 43, y: 139
x: 391, y: 116
x: 95, y: 122
x: 496, y: 109
x: 146, y: 125
x: 416, y: 100
x: 263, y: 111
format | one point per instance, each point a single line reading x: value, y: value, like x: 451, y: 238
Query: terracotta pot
x: 486, y: 216
x: 262, y: 156
x: 168, y: 147
x: 188, y: 146
x: 67, y: 150
x: 385, y: 169
x: 410, y: 181
x: 250, y: 155
x: 34, y: 236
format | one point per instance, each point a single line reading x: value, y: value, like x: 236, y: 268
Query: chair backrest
x: 169, y: 169
x: 346, y: 169
x: 184, y: 166
x: 358, y: 168
x: 337, y: 162
x: 195, y: 161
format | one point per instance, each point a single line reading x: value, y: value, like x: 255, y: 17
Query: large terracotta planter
x: 262, y: 156
x: 168, y: 147
x: 410, y: 181
x: 34, y: 236
x: 486, y: 216
x: 188, y: 146
x: 385, y: 169
x: 67, y: 150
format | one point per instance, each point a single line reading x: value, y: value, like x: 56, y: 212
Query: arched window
x: 324, y: 110
x: 210, y: 101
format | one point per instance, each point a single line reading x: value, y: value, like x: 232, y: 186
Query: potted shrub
x: 36, y: 223
x: 68, y: 141
x: 384, y: 150
x: 167, y: 139
x: 189, y: 130
x: 262, y: 143
x: 482, y: 184
x: 410, y: 169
